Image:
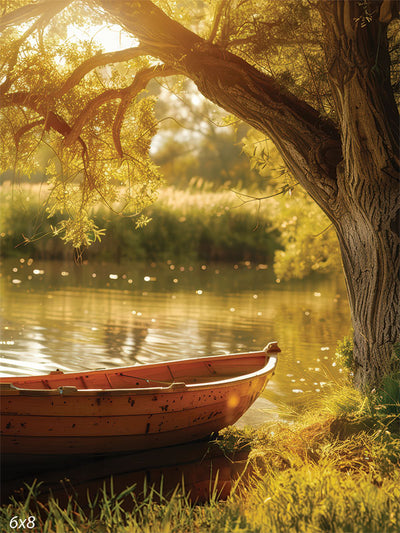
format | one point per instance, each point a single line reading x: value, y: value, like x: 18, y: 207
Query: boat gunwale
x: 174, y: 387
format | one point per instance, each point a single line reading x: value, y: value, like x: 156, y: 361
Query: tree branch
x: 217, y: 19
x: 139, y: 83
x: 250, y: 198
x: 72, y: 134
x: 50, y: 119
x: 126, y: 94
x: 97, y: 61
x: 21, y: 15
x: 40, y: 23
x: 309, y: 143
x: 25, y: 129
x: 88, y: 111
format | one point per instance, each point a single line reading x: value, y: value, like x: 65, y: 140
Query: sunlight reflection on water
x: 137, y: 314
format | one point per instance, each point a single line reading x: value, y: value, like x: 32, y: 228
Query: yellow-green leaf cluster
x: 37, y: 120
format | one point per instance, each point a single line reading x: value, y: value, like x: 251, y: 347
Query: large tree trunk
x: 349, y: 167
x: 369, y: 237
x: 352, y: 171
x: 366, y: 212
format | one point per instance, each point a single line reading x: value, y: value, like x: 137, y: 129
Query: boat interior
x: 186, y: 371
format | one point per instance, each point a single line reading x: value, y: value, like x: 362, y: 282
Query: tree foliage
x: 86, y: 110
x: 315, y: 77
x: 93, y: 123
x: 92, y: 126
x: 94, y: 130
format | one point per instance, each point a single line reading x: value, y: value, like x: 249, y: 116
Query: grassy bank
x: 336, y: 470
x: 194, y: 224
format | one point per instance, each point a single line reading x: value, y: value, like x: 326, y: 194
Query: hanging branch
x: 282, y: 190
x: 126, y: 95
x: 25, y: 129
x: 50, y: 120
x: 217, y: 19
x: 23, y: 14
x: 98, y: 60
x: 37, y: 25
x: 139, y: 83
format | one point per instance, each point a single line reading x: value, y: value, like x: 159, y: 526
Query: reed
x: 195, y: 224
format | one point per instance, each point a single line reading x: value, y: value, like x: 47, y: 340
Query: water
x: 75, y: 317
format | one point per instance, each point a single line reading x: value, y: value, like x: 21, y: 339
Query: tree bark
x: 351, y: 169
x: 366, y: 212
x: 354, y: 180
x: 369, y: 237
x: 309, y: 144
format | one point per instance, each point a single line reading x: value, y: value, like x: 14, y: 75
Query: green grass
x: 337, y: 469
x: 379, y: 403
x: 193, y: 224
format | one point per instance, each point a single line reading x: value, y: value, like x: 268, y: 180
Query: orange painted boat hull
x: 132, y: 408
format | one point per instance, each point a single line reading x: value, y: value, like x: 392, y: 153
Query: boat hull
x: 72, y: 421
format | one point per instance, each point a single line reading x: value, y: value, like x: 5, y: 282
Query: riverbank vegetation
x: 336, y: 469
x: 326, y: 473
x: 200, y: 222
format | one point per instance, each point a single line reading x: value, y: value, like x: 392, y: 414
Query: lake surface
x: 74, y: 317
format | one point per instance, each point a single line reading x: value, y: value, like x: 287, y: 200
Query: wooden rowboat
x: 132, y: 408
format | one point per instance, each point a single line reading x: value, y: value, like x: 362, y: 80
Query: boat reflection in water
x: 83, y: 420
x: 201, y: 468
